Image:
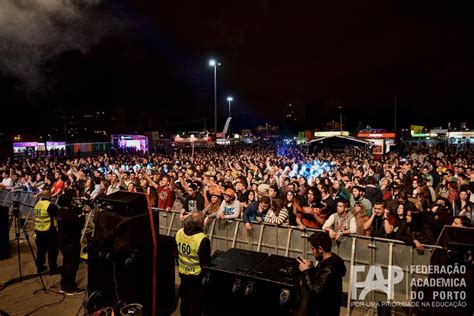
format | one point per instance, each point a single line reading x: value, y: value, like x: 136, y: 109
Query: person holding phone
x: 321, y: 284
x: 380, y: 222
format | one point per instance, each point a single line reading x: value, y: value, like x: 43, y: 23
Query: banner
x: 417, y: 129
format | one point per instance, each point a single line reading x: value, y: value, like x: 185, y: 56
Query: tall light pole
x: 340, y: 118
x: 230, y: 99
x: 214, y: 63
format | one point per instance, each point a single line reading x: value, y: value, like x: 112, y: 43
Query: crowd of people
x: 407, y: 196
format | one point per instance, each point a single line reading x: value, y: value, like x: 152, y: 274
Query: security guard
x: 194, y: 250
x: 45, y: 229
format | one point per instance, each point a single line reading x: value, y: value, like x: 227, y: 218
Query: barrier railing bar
x: 276, y: 239
x: 351, y: 277
x: 300, y: 245
x: 288, y: 242
x: 212, y: 229
x: 6, y: 199
x: 235, y: 234
x: 171, y: 224
x: 372, y: 248
x: 249, y: 240
x: 22, y: 206
x: 260, y: 237
x: 390, y: 270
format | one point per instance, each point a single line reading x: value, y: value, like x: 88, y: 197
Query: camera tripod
x: 18, y: 227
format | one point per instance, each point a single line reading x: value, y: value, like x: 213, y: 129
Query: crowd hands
x: 407, y: 197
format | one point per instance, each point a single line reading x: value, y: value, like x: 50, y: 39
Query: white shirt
x: 330, y: 223
x: 7, y: 182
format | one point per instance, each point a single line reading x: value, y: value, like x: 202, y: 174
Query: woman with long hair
x: 313, y: 214
x: 453, y: 192
x: 361, y: 217
x: 462, y: 205
x: 250, y: 197
x: 277, y: 214
x: 292, y: 206
x: 385, y: 188
x: 401, y: 228
x: 210, y: 211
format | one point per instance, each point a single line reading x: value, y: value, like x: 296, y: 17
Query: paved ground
x: 27, y: 297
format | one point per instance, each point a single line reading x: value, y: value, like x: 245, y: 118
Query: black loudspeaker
x: 276, y: 281
x: 125, y: 203
x: 255, y: 284
x: 459, y: 241
x: 119, y: 232
x: 226, y: 282
x: 4, y: 238
x: 120, y: 263
x: 126, y: 277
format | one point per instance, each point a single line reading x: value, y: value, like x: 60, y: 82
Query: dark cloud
x: 32, y: 32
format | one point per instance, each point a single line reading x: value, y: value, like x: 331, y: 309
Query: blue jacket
x: 251, y: 212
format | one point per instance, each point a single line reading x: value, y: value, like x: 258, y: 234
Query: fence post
x: 389, y: 270
x: 288, y: 241
x: 171, y: 224
x: 351, y: 271
x: 212, y: 228
x: 236, y: 230
x: 260, y: 237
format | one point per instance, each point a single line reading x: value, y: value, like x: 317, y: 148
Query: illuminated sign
x: 20, y: 147
x: 25, y: 144
x: 424, y: 135
x: 376, y: 135
x: 461, y: 134
x: 329, y: 134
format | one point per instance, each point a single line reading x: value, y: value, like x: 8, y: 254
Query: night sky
x: 151, y: 56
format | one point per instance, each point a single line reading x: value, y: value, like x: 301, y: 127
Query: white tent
x: 349, y: 138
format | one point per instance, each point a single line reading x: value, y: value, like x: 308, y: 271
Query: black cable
x: 82, y: 304
x: 115, y: 281
x: 47, y: 305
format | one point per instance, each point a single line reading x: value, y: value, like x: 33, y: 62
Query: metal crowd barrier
x: 290, y: 241
x: 26, y: 202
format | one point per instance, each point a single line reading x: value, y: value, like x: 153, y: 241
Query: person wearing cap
x: 46, y: 233
x: 194, y: 201
x: 230, y: 207
x: 210, y: 211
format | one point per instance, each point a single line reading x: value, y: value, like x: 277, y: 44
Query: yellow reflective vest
x: 42, y: 218
x: 188, y: 247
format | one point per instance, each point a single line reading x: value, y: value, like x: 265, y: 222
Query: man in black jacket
x: 322, y: 285
x: 69, y: 236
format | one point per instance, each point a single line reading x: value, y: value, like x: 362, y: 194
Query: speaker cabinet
x: 4, y: 238
x: 120, y: 264
x: 241, y: 282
